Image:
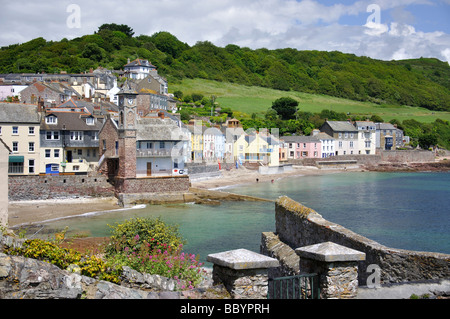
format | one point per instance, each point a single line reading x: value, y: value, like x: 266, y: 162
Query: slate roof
x: 342, y: 126
x: 157, y: 129
x: 300, y: 139
x: 18, y: 113
x: 70, y: 121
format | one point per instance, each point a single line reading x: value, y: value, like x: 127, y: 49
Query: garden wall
x: 298, y: 226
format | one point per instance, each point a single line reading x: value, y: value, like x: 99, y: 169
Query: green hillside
x: 419, y: 83
x: 251, y: 99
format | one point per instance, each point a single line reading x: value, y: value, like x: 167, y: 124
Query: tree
x: 286, y: 107
x: 427, y: 140
x: 115, y: 27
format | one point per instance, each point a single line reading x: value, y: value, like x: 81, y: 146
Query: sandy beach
x: 31, y: 212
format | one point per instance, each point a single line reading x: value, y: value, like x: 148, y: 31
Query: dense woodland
x: 421, y: 82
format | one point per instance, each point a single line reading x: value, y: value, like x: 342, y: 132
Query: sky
x: 380, y: 29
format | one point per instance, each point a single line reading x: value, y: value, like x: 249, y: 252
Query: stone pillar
x: 243, y: 273
x: 337, y: 267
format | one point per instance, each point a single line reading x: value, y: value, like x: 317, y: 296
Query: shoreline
x: 26, y: 213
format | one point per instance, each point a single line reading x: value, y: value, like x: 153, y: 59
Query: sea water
x: 400, y: 210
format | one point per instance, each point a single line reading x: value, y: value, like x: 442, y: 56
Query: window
x: 15, y: 147
x: 351, y: 144
x: 55, y: 168
x: 31, y: 130
x: 340, y: 144
x: 51, y: 120
x: 0, y: 130
x: 15, y: 168
x: 31, y: 147
x: 52, y: 135
x: 149, y: 145
x: 304, y: 145
x: 76, y: 136
x: 56, y: 153
x: 162, y: 145
x: 31, y: 166
x: 76, y: 168
x: 15, y: 130
x: 80, y: 152
x: 90, y: 121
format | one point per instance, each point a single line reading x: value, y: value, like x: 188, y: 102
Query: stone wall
x: 406, y: 156
x: 58, y: 186
x: 152, y: 185
x: 299, y: 226
x: 26, y: 278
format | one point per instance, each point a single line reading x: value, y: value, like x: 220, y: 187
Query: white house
x: 366, y: 137
x: 138, y: 69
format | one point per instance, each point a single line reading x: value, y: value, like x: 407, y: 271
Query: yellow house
x: 19, y: 129
x: 263, y: 149
x: 196, y: 146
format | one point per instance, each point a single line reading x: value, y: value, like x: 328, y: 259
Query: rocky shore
x: 441, y: 166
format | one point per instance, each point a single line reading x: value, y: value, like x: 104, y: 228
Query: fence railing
x: 295, y: 287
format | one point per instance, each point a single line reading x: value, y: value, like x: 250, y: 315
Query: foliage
x: 161, y: 259
x: 420, y: 82
x: 286, y: 107
x: 50, y: 252
x: 137, y: 231
x: 154, y: 247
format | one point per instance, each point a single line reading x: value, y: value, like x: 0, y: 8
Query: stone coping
x: 330, y: 252
x: 242, y: 259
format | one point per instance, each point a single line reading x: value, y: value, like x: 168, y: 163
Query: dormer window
x: 51, y: 120
x: 90, y: 121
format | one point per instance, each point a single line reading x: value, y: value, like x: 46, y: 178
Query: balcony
x: 142, y: 153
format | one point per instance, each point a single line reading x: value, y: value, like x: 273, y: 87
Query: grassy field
x: 257, y: 100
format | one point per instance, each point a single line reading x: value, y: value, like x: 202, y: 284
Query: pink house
x: 299, y: 147
x: 10, y: 90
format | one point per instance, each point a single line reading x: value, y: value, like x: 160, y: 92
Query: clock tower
x: 127, y: 132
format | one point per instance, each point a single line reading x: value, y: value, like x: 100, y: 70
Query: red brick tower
x: 127, y: 132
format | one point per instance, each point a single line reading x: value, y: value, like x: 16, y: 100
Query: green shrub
x: 50, y: 252
x: 134, y: 232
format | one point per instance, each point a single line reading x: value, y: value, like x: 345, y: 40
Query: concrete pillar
x: 243, y: 273
x: 337, y: 267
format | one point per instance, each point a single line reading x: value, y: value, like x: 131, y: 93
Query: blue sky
x: 405, y: 29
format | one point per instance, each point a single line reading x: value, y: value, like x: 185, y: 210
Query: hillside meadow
x: 252, y: 99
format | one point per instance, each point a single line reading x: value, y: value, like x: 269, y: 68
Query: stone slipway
x: 195, y: 195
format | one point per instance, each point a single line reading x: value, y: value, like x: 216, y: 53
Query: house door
x: 69, y: 157
x: 149, y: 169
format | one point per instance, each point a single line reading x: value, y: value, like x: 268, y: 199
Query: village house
x: 345, y: 134
x: 327, y: 142
x: 19, y: 129
x: 388, y: 136
x: 366, y: 137
x: 196, y: 142
x: 262, y: 148
x: 138, y: 69
x: 135, y: 146
x: 302, y: 147
x: 69, y: 142
x: 53, y: 93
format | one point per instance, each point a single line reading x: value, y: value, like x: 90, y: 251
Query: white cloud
x: 305, y: 24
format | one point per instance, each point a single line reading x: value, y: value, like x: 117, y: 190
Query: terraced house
x: 69, y: 142
x: 345, y: 135
x: 19, y: 129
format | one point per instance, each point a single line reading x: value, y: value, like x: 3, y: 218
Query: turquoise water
x: 399, y: 210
